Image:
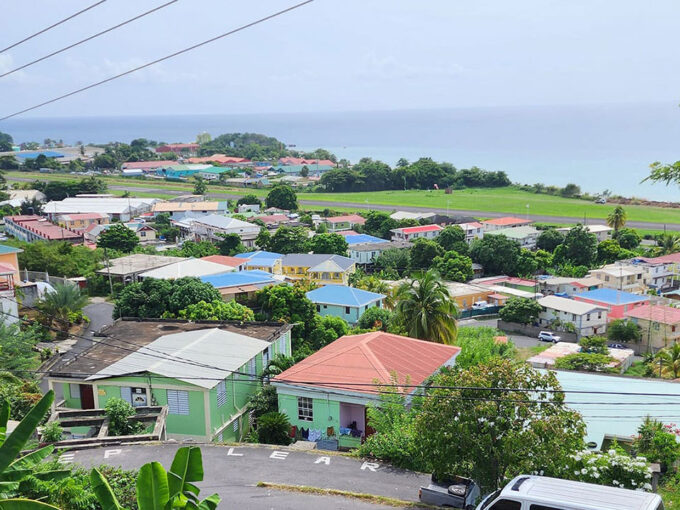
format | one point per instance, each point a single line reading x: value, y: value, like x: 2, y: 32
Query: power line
x: 149, y: 64
x: 88, y: 39
x: 52, y: 26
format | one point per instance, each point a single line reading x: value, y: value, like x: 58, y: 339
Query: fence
x: 43, y: 276
x: 489, y: 310
x: 533, y: 331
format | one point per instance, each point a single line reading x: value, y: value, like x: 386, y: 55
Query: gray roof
x: 568, y: 305
x: 225, y: 222
x: 385, y: 245
x: 136, y: 263
x: 312, y: 260
x: 225, y: 350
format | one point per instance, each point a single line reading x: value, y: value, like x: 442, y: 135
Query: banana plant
x: 158, y: 489
x: 14, y: 467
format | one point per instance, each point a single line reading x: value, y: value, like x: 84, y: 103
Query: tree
x: 324, y: 331
x: 527, y: 263
x: 474, y: 433
x: 249, y: 199
x: 263, y: 239
x: 594, y: 345
x: 579, y: 248
x: 379, y: 223
x: 288, y: 240
x: 119, y: 413
x: 375, y: 318
x: 118, y: 237
x: 16, y: 347
x: 264, y: 401
x: 230, y: 244
x: 453, y: 266
x: 453, y: 238
x: 668, y: 243
x: 666, y: 173
x: 496, y: 253
x: 608, y: 251
x: 328, y: 243
x: 520, y: 310
x: 379, y: 286
x: 478, y: 345
x: 617, y: 219
x: 273, y: 428
x: 396, y: 259
x: 426, y: 310
x: 8, y: 163
x: 570, y: 190
x: 583, y: 361
x: 549, y: 239
x: 278, y: 364
x: 32, y: 206
x: 304, y: 171
x: 288, y: 303
x: 628, y: 238
x: 6, y: 142
x: 423, y: 253
x: 283, y: 197
x: 621, y: 330
x: 669, y: 360
x: 63, y: 306
x: 200, y: 186
x: 59, y: 258
x: 217, y: 310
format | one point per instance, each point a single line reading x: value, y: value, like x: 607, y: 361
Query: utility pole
x: 108, y: 270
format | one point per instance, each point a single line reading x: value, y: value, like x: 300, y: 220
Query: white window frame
x: 178, y: 402
x: 76, y: 393
x: 222, y: 395
x: 305, y: 407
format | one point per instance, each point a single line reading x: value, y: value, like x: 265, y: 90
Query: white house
x: 526, y: 236
x: 588, y: 319
x: 366, y: 253
x: 622, y: 276
x: 602, y: 232
x: 208, y: 228
x: 413, y: 233
x: 474, y: 230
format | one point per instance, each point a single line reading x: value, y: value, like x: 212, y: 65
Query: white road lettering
x: 279, y: 455
x: 371, y: 466
x: 323, y: 460
x: 111, y: 453
x: 230, y: 453
x: 67, y: 458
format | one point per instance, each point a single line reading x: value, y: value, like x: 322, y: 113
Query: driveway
x: 100, y: 313
x: 518, y: 340
x: 233, y: 473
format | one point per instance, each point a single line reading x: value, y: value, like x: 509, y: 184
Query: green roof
x: 515, y: 232
x: 9, y: 249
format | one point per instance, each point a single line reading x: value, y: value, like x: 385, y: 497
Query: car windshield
x: 490, y: 499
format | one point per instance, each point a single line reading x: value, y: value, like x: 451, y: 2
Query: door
x: 86, y: 396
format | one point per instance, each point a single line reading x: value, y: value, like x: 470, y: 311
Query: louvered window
x: 221, y: 393
x: 178, y: 402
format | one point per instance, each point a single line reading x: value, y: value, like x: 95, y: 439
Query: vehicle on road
x: 548, y: 336
x: 616, y: 346
x: 456, y: 492
x: 541, y: 492
x: 480, y: 305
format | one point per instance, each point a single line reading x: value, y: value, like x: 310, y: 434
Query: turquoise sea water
x: 598, y: 147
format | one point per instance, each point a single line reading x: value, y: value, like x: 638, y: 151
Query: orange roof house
x: 505, y: 222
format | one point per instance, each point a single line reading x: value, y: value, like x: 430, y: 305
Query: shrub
x: 119, y: 412
x: 375, y: 318
x: 52, y: 432
x: 583, y: 361
x: 594, y: 345
x: 607, y: 468
x: 273, y: 428
x: 658, y: 442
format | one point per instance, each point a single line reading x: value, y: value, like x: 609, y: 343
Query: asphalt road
x: 100, y: 313
x: 518, y: 340
x: 233, y: 473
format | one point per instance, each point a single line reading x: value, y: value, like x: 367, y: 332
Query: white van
x: 542, y: 493
x: 480, y: 305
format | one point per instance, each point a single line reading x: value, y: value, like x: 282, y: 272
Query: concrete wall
x: 532, y: 331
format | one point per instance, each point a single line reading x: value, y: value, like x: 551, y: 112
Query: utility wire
x: 149, y: 64
x: 52, y: 26
x: 88, y: 38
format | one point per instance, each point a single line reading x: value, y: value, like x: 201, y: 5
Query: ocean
x: 597, y: 147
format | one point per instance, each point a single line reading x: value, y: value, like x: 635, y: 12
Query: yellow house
x: 9, y: 257
x: 466, y: 295
x: 266, y: 261
x: 320, y: 268
x: 660, y: 325
x: 82, y: 221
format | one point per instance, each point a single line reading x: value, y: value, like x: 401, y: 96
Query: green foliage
x: 193, y: 249
x: 52, y: 432
x: 579, y: 248
x: 520, y: 310
x: 278, y: 364
x: 496, y: 253
x: 379, y: 224
x: 423, y: 253
x: 200, y: 186
x: 59, y: 306
x: 283, y: 197
x: 245, y: 145
x: 570, y: 270
x: 118, y: 237
x: 394, y: 259
x: 328, y: 243
x: 249, y: 199
x: 584, y: 361
x: 59, y: 190
x: 153, y: 298
x: 58, y: 258
x: 549, y: 239
x: 375, y: 318
x: 264, y: 401
x: 16, y: 347
x: 452, y: 238
x: 570, y: 190
x: 119, y: 412
x: 527, y: 263
x: 594, y: 345
x: 6, y: 142
x: 263, y: 239
x: 273, y: 428
x: 478, y: 346
x: 230, y: 245
x: 288, y: 303
x: 453, y: 266
x: 658, y: 442
x: 617, y: 218
x: 608, y: 251
x: 469, y: 432
x: 669, y: 360
x: 21, y: 395
x: 325, y: 330
x: 612, y: 468
x: 628, y: 238
x: 621, y: 330
x: 32, y: 206
x: 288, y: 240
x: 217, y: 310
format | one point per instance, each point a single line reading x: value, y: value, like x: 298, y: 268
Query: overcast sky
x: 343, y: 55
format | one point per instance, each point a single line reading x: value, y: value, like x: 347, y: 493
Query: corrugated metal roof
x: 224, y: 350
x: 611, y: 296
x: 232, y: 279
x: 312, y: 259
x: 343, y: 295
x: 190, y: 267
x: 568, y: 305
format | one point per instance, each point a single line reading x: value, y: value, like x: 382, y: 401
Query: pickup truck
x: 456, y: 492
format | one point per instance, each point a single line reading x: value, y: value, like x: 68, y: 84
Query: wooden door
x: 86, y: 396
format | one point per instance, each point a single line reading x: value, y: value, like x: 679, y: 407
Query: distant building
x: 128, y: 268
x: 473, y: 230
x: 319, y: 268
x: 568, y: 286
x: 121, y: 209
x: 19, y: 196
x: 177, y: 171
x: 413, y: 233
x: 345, y: 302
x: 505, y: 222
x: 32, y: 228
x: 233, y: 263
x: 660, y: 325
x: 266, y: 261
x: 197, y: 268
x: 78, y: 222
x: 622, y: 359
x: 147, y: 166
x: 407, y: 215
x: 144, y: 232
x: 587, y: 319
x: 617, y: 302
x: 241, y: 285
x: 526, y: 236
x: 466, y: 295
x: 363, y: 238
x: 179, y: 148
x: 622, y: 276
x: 212, y: 226
x: 221, y: 159
x: 366, y: 253
x: 601, y: 232
x: 291, y: 161
x: 346, y: 222
x: 660, y: 272
x: 180, y: 210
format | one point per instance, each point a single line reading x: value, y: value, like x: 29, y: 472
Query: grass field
x: 503, y: 200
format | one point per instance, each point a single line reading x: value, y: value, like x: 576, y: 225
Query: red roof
x: 508, y: 220
x: 422, y: 228
x: 352, y: 218
x: 219, y: 158
x: 347, y: 233
x: 224, y: 260
x: 147, y: 165
x: 302, y: 161
x: 655, y: 313
x: 43, y: 228
x: 363, y: 359
x: 272, y: 218
x: 672, y: 258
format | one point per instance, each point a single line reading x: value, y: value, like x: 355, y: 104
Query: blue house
x: 345, y: 302
x: 363, y: 238
x: 240, y: 285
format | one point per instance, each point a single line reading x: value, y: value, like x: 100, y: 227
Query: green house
x: 205, y: 373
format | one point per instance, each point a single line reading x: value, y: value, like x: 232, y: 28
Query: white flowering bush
x: 608, y: 468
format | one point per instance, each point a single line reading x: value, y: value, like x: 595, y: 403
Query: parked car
x: 480, y: 305
x: 524, y: 492
x: 547, y: 336
x: 456, y: 492
x: 616, y: 346
x: 601, y: 200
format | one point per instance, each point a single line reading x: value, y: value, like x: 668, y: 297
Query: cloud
x: 7, y: 64
x: 390, y: 67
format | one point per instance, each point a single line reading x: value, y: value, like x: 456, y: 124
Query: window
x: 573, y: 316
x: 221, y: 393
x: 588, y: 317
x: 673, y: 329
x: 347, y: 310
x: 506, y: 504
x: 74, y: 390
x: 599, y: 315
x: 305, y: 410
x: 178, y: 402
x: 318, y: 308
x: 282, y: 344
x: 252, y: 368
x: 606, y: 278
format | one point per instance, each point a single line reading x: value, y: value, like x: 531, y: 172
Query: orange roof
x: 508, y: 220
x: 224, y: 260
x: 352, y: 218
x: 354, y: 360
x: 655, y: 313
x: 219, y: 158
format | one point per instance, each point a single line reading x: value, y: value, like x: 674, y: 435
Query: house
x: 345, y: 302
x: 312, y: 169
x: 512, y: 282
x: 466, y: 295
x: 353, y: 239
x: 241, y: 285
x: 127, y: 269
x: 273, y: 220
x: 474, y: 230
x: 346, y: 222
x: 366, y: 253
x: 144, y: 232
x: 204, y: 373
x: 176, y: 171
x: 617, y: 302
x: 32, y: 228
x: 9, y: 279
x: 147, y: 166
x: 213, y: 173
x: 247, y: 182
x: 622, y: 358
x: 19, y: 196
x: 526, y: 236
x: 621, y: 276
x: 588, y: 319
x: 290, y: 161
x: 181, y: 210
x: 328, y: 392
x: 78, y: 222
x: 243, y: 208
x: 320, y: 268
x: 179, y: 148
x: 660, y: 272
x: 502, y: 223
x: 407, y: 215
x: 188, y: 267
x: 660, y: 324
x: 413, y: 233
x: 568, y: 286
x: 601, y: 232
x: 233, y: 263
x: 266, y: 261
x: 211, y: 227
x: 221, y: 159
x: 121, y: 209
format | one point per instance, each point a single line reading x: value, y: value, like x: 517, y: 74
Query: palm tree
x: 668, y: 243
x: 669, y: 360
x: 426, y: 309
x: 617, y: 218
x: 60, y: 304
x: 277, y: 365
x: 375, y: 284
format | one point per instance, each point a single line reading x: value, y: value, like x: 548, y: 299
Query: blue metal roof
x: 612, y: 296
x: 9, y: 249
x: 343, y: 296
x: 234, y: 278
x: 363, y: 238
x: 47, y: 154
x: 259, y: 254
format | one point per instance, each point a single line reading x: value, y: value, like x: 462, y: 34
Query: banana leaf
x: 103, y: 492
x: 152, y: 487
x: 24, y: 504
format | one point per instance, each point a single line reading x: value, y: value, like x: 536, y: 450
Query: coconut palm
x: 60, y: 304
x: 617, y: 218
x: 669, y: 359
x: 668, y: 243
x: 375, y: 284
x: 426, y: 310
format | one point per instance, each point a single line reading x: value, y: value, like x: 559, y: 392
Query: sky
x: 343, y: 55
